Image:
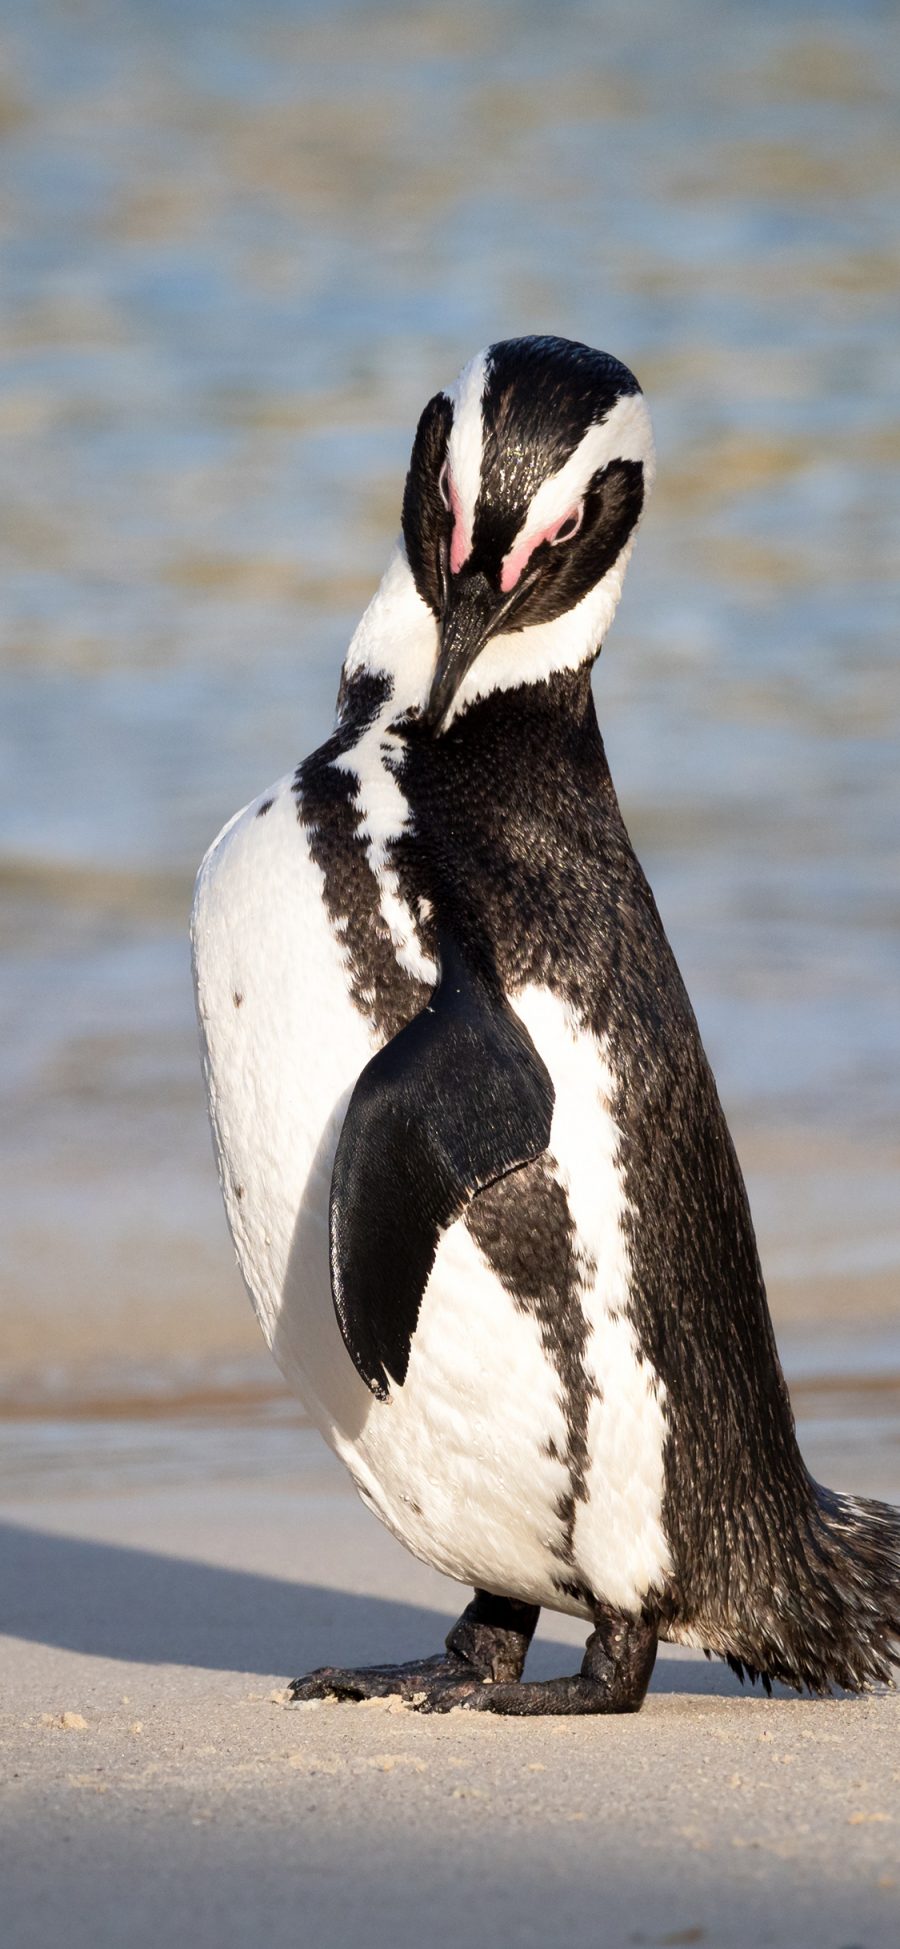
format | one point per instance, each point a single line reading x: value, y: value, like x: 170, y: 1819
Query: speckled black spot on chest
x: 523, y: 1228
x: 325, y: 793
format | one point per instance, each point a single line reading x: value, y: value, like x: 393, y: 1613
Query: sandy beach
x: 240, y: 247
x: 157, y: 1787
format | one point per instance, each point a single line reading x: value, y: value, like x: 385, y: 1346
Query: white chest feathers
x: 470, y: 1461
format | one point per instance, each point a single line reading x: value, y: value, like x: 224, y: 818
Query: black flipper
x: 459, y: 1098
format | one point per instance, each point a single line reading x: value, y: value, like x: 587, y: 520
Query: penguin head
x: 525, y: 486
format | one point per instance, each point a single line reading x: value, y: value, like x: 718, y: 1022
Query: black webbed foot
x: 488, y: 1643
x: 482, y: 1666
x: 422, y: 1677
x: 616, y: 1670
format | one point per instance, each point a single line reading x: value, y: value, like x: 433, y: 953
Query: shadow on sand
x: 108, y: 1601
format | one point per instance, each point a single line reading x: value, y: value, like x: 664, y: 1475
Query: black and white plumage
x: 479, y: 1180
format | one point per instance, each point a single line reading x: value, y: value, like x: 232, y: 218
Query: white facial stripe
x: 399, y: 634
x: 466, y: 443
x: 625, y: 434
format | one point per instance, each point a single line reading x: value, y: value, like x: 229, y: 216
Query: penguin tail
x: 821, y: 1609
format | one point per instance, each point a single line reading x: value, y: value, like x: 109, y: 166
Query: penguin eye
x: 568, y: 526
x: 444, y: 484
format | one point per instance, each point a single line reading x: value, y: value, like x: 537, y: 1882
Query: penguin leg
x: 618, y: 1662
x: 487, y: 1645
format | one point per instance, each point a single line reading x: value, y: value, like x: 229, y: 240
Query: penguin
x: 478, y: 1177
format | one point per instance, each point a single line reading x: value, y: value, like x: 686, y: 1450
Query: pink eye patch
x: 460, y: 542
x: 519, y: 557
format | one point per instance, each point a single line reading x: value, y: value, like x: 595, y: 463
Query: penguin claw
x: 415, y: 1683
x: 549, y: 1698
x: 328, y: 1682
x: 448, y: 1695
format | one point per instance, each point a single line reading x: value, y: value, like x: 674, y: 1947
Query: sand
x: 157, y: 1789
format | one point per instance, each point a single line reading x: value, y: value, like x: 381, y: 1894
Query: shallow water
x: 239, y: 248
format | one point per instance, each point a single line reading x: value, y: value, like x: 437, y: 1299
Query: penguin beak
x: 465, y: 627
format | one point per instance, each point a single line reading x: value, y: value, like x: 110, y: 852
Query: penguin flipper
x: 459, y: 1098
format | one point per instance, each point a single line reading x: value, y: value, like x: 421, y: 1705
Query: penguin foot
x: 540, y: 1698
x: 487, y: 1644
x: 423, y: 1678
x: 618, y: 1662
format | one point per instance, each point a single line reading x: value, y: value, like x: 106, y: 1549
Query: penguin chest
x: 282, y: 1045
x: 523, y: 1451
x: 530, y: 1417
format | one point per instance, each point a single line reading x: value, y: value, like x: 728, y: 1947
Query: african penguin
x: 478, y: 1177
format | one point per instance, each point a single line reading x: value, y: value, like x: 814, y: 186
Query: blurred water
x: 239, y: 248
x: 203, y: 1420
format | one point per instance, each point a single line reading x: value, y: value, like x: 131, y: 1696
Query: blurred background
x: 240, y: 246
